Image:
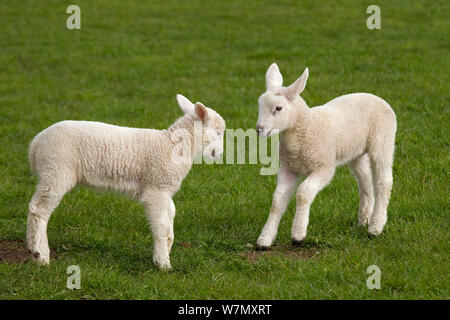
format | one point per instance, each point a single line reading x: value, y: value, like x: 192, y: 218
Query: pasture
x: 125, y: 66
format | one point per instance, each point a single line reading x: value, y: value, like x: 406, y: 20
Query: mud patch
x: 186, y: 245
x: 284, y: 251
x: 14, y: 252
x: 17, y: 252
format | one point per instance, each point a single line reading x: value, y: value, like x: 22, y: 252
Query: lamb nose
x: 213, y: 153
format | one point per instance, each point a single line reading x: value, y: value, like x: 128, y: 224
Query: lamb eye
x: 278, y: 108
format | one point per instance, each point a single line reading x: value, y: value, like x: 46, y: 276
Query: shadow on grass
x: 130, y: 259
x: 307, y: 250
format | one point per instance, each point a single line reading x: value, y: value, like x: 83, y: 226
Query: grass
x: 125, y: 66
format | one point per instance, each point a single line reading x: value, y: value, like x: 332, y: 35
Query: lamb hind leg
x: 382, y: 176
x: 381, y: 156
x: 360, y: 167
x: 306, y: 193
x: 45, y: 200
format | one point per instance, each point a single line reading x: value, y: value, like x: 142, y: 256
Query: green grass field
x: 125, y: 67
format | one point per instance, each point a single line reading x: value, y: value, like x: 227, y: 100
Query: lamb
x: 140, y: 163
x: 357, y: 129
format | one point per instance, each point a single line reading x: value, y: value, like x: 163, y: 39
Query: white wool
x: 356, y: 129
x: 132, y: 161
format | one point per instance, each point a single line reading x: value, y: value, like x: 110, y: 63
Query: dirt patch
x: 17, y: 252
x: 186, y: 245
x: 14, y: 252
x: 285, y: 251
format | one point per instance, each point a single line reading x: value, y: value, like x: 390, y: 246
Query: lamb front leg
x: 156, y: 205
x: 306, y: 193
x: 286, y: 182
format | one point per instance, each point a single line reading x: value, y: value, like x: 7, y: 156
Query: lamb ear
x: 274, y: 78
x: 185, y: 104
x: 298, y: 86
x: 201, y: 111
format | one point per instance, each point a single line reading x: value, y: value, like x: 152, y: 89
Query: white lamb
x: 356, y: 129
x: 141, y: 163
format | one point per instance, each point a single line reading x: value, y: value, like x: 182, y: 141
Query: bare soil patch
x: 17, y: 252
x: 186, y: 245
x: 285, y: 251
x: 14, y: 252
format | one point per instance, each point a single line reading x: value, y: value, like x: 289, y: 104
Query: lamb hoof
x: 263, y: 243
x: 373, y: 235
x: 162, y: 264
x: 296, y: 243
x: 164, y: 267
x: 43, y: 261
x: 374, y: 231
x: 363, y: 224
x: 39, y: 258
x: 262, y: 248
